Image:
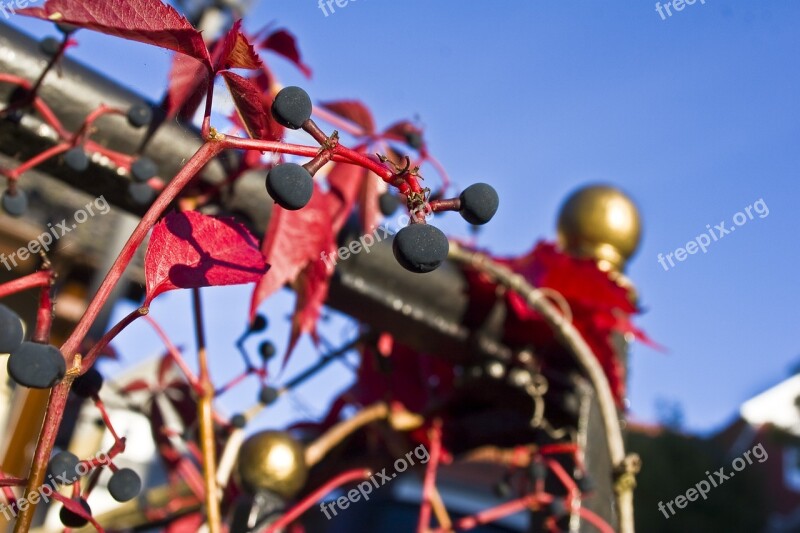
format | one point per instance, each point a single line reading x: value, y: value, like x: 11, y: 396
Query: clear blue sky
x: 696, y: 116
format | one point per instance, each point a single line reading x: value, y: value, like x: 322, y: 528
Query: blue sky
x: 696, y: 116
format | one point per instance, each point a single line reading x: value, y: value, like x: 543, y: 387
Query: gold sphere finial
x: 274, y: 461
x: 601, y: 222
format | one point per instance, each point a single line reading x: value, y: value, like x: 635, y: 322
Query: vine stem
x: 37, y: 279
x: 60, y: 393
x: 429, y: 483
x: 206, y: 421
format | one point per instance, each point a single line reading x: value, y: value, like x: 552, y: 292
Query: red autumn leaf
x: 352, y: 184
x: 400, y: 131
x: 135, y: 386
x: 283, y: 43
x: 188, y: 85
x: 235, y: 51
x: 295, y: 241
x: 354, y: 111
x: 145, y: 21
x: 312, y: 289
x: 192, y: 250
x: 249, y: 106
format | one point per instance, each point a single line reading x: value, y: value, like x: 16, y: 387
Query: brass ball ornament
x: 600, y: 222
x: 274, y: 461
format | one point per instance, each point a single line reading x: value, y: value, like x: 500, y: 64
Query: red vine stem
x: 104, y: 341
x: 37, y: 279
x: 38, y: 159
x: 303, y: 505
x: 44, y: 314
x: 60, y: 393
x: 429, y: 484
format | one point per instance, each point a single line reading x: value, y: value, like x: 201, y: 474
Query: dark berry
x: 139, y: 115
x: 414, y: 139
x: 420, y: 248
x: 124, y: 485
x: 292, y: 107
x: 538, y: 471
x: 15, y: 204
x: 89, y: 384
x: 267, y: 350
x: 479, y: 203
x: 37, y: 366
x: 76, y: 159
x: 238, y: 421
x: 268, y: 395
x: 585, y: 484
x: 50, y: 46
x: 18, y: 101
x: 65, y: 28
x: 63, y: 468
x: 143, y: 169
x: 290, y: 185
x: 259, y: 324
x: 10, y: 330
x: 388, y: 203
x: 74, y: 520
x: 557, y: 508
x: 140, y: 193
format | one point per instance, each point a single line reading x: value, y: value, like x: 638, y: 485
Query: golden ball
x: 600, y: 222
x: 274, y: 461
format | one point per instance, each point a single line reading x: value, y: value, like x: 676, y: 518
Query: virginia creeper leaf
x: 283, y: 43
x: 192, y: 250
x: 354, y: 111
x: 146, y: 21
x: 249, y: 105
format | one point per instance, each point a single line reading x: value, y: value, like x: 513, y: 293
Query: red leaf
x: 145, y: 21
x: 282, y: 42
x: 236, y: 51
x: 294, y: 242
x: 135, y: 386
x: 353, y: 184
x: 191, y: 250
x: 312, y: 290
x: 249, y: 106
x: 188, y: 85
x: 354, y: 111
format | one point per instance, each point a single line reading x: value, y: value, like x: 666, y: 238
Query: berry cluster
x: 418, y: 247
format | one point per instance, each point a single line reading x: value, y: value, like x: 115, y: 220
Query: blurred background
x: 695, y: 115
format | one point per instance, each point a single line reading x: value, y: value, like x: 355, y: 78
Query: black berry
x: 139, y: 115
x: 50, y: 46
x: 259, y: 324
x: 65, y: 28
x: 124, y: 485
x: 420, y: 248
x: 143, y: 169
x: 557, y: 508
x: 290, y: 185
x: 140, y: 193
x: 18, y: 101
x: 267, y: 350
x: 479, y: 203
x: 268, y: 395
x: 37, y: 366
x: 63, y: 468
x: 70, y: 519
x: 238, y: 421
x: 10, y: 330
x: 76, y: 159
x: 585, y: 484
x: 15, y: 204
x: 388, y: 203
x: 414, y: 139
x: 89, y: 384
x: 292, y: 107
